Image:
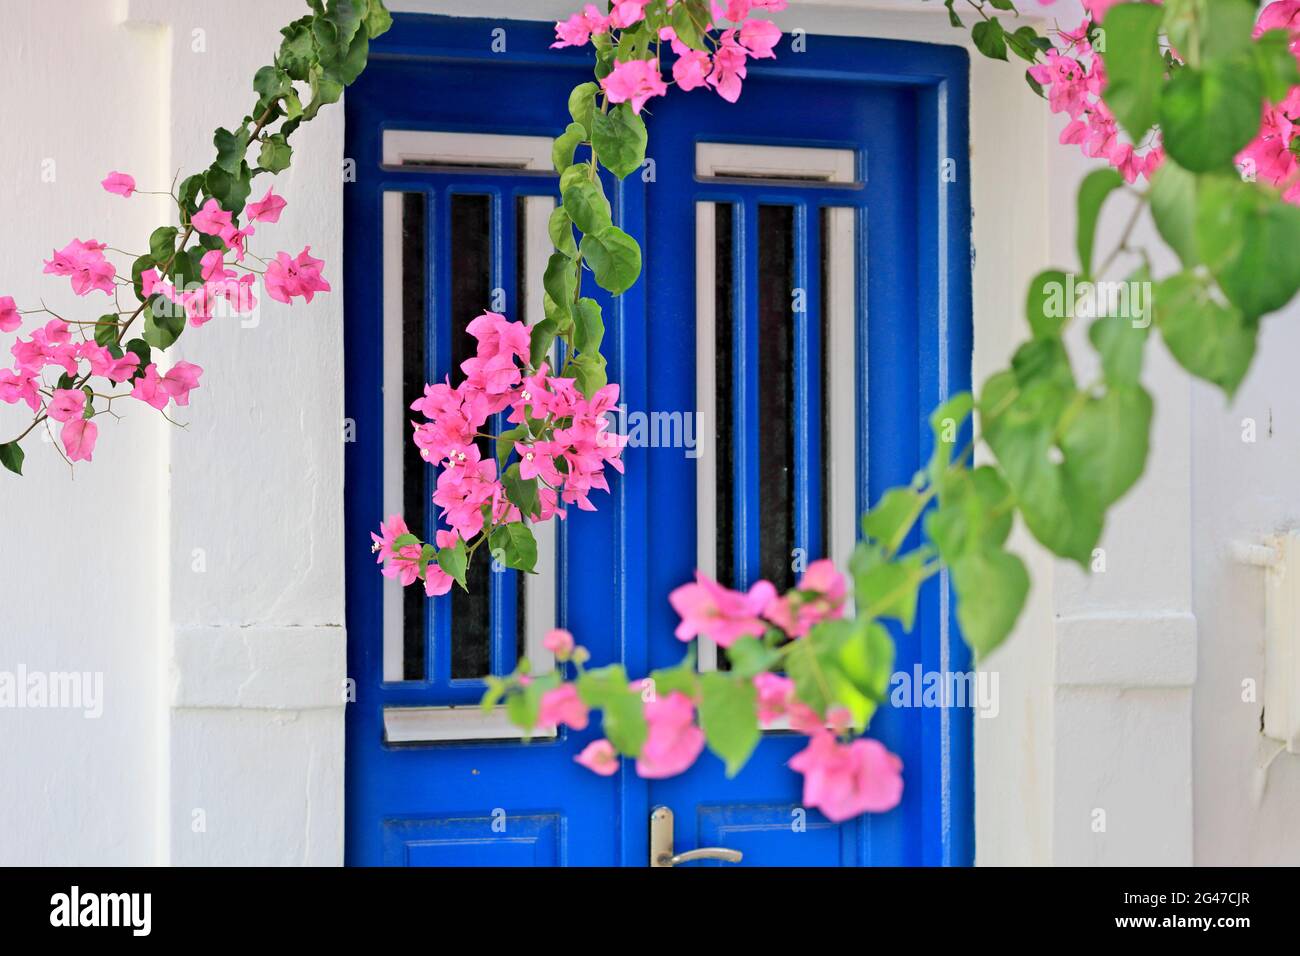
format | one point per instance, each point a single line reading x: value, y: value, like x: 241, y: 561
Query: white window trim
x: 809, y: 164
x: 402, y: 147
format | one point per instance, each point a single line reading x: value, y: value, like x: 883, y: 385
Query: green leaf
x: 1173, y: 207
x: 865, y: 658
x: 991, y: 588
x: 566, y: 144
x: 892, y: 517
x: 515, y: 544
x: 541, y: 338
x: 276, y: 154
x: 163, y: 328
x: 614, y: 257
x: 946, y: 423
x: 1212, y: 341
x: 990, y: 39
x: 1105, y: 443
x: 11, y: 456
x: 1207, y: 116
x: 582, y: 106
x: 454, y: 562
x: 560, y: 229
x: 522, y: 706
x: 589, y: 328
x: 623, y: 721
x: 1276, y: 64
x: 162, y: 243
x: 607, y: 688
x: 1120, y: 344
x: 106, y: 330
x: 230, y: 149
x: 729, y: 718
x: 1046, y: 307
x: 619, y: 138
x: 520, y: 492
x: 297, y: 52
x: 1135, y: 69
x: 506, y: 441
x: 1226, y: 28
x: 378, y: 19
x: 587, y: 206
x: 141, y: 348
x: 749, y: 656
x: 887, y: 588
x: 1247, y: 237
x: 229, y: 190
x: 589, y: 370
x: 1092, y: 195
x: 560, y: 281
x: 974, y: 513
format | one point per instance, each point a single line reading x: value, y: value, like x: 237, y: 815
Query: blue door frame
x: 903, y: 107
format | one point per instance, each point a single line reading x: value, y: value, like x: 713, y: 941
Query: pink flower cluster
x: 842, y: 780
x: 1074, y: 79
x: 636, y: 81
x: 724, y: 616
x: 568, y: 447
x: 567, y: 453
x: 1269, y: 157
x: 52, y: 346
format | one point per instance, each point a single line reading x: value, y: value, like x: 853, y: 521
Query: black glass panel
x: 415, y: 490
x: 471, y: 293
x: 776, y: 394
x: 724, y: 391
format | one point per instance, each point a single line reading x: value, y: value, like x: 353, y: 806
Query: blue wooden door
x: 806, y: 300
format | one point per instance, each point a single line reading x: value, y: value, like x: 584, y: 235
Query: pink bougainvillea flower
x: 9, y: 317
x: 634, y: 81
x: 760, y: 37
x: 559, y: 642
x: 728, y: 67
x: 776, y: 699
x: 819, y: 596
x: 1067, y: 83
x: 579, y: 28
x: 691, y: 69
x: 119, y: 183
x: 718, y: 613
x: 102, y: 363
x: 157, y: 390
x: 436, y: 581
x: 844, y: 780
x: 389, y: 532
x: 19, y: 386
x: 673, y: 740
x: 68, y: 404
x: 79, y: 437
x: 266, y: 209
x: 288, y: 277
x: 212, y: 220
x: 600, y: 757
x: 85, y: 264
x: 562, y: 705
x: 627, y: 12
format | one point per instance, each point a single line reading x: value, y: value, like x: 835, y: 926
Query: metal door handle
x: 705, y: 853
x: 661, y: 844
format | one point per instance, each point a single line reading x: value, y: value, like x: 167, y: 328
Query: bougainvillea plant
x: 71, y: 371
x: 1193, y: 105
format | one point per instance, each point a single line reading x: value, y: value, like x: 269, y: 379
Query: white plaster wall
x: 81, y: 560
x: 1121, y: 691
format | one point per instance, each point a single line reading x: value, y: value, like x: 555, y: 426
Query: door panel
x: 432, y: 786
